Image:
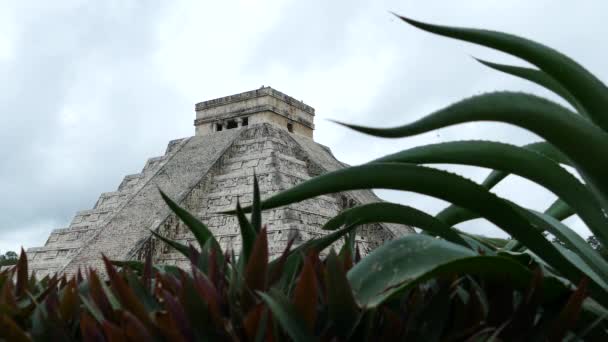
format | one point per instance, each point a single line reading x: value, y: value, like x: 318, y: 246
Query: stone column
x: 239, y: 122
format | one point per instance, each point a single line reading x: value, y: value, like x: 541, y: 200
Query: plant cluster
x: 440, y: 285
x: 299, y: 296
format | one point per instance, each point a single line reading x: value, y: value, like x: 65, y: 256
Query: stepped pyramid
x: 262, y: 131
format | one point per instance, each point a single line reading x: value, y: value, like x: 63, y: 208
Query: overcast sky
x: 90, y: 90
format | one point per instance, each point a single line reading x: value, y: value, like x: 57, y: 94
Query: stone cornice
x: 252, y: 110
x: 266, y: 91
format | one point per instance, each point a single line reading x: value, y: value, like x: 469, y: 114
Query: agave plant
x: 576, y: 137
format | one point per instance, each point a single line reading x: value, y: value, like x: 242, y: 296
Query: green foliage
x: 416, y: 287
x: 8, y: 258
x: 441, y: 285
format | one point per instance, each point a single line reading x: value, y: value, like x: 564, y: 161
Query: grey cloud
x: 76, y: 96
x: 309, y: 35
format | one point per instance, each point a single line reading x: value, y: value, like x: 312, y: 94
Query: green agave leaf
x: 394, y: 213
x: 516, y: 160
x: 574, y: 243
x: 543, y: 148
x: 400, y: 264
x: 589, y: 91
x: 454, y: 215
x: 479, y: 244
x: 584, y: 266
x: 559, y: 210
x: 581, y: 255
x: 512, y: 245
x: 198, y: 229
x: 256, y: 212
x: 539, y: 77
x: 285, y: 314
x: 581, y: 141
x: 594, y: 307
x: 491, y: 242
x: 248, y: 233
x: 183, y: 249
x: 435, y: 183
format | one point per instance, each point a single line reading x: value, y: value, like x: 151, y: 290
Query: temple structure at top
x: 254, y: 107
x: 261, y: 131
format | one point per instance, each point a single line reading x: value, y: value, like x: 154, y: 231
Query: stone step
x: 228, y: 173
x: 69, y: 245
x: 259, y: 145
x: 174, y: 145
x: 153, y: 164
x: 129, y: 182
x: 90, y: 217
x: 112, y: 200
x: 251, y: 141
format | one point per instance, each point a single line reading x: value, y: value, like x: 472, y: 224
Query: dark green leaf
x: 256, y: 212
x: 574, y: 242
x: 285, y: 314
x: 403, y: 263
x: 560, y: 210
x: 516, y: 160
x: 454, y: 214
x: 393, y: 213
x: 589, y: 91
x: 198, y: 229
x: 580, y: 140
x: 248, y: 233
x: 183, y: 249
x: 539, y: 77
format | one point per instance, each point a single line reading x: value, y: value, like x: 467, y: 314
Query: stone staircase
x: 279, y: 163
x: 64, y: 243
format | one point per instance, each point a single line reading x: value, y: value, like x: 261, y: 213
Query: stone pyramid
x: 262, y: 131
